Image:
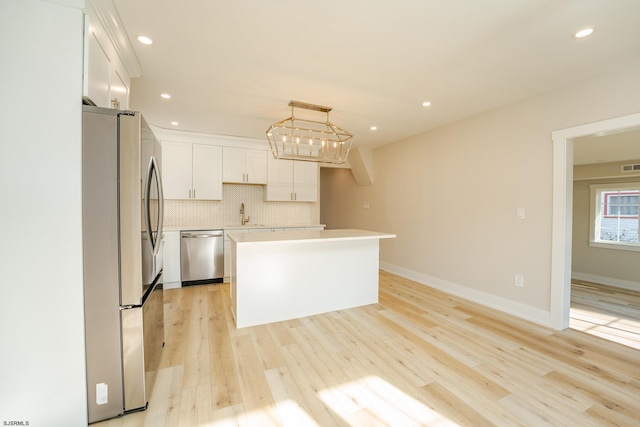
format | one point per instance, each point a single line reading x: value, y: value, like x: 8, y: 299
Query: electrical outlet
x: 365, y: 205
x: 519, y: 280
x: 102, y: 393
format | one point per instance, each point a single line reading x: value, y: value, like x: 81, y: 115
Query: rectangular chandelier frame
x: 309, y: 140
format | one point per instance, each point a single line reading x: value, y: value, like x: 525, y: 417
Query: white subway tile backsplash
x: 227, y: 212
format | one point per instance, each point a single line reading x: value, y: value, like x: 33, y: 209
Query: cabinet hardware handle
x: 194, y: 193
x: 189, y: 193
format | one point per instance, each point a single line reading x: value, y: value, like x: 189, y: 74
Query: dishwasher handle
x: 193, y: 236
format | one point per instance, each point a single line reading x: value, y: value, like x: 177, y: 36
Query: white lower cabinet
x: 171, y: 259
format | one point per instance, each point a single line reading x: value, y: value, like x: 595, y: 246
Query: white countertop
x: 236, y: 226
x: 307, y: 235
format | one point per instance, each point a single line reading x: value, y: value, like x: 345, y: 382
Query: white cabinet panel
x: 98, y: 73
x: 119, y: 91
x: 256, y: 166
x: 233, y: 164
x: 176, y: 170
x: 207, y: 176
x: 244, y: 166
x: 279, y: 180
x: 290, y: 180
x: 305, y: 181
x: 171, y: 256
x: 192, y: 171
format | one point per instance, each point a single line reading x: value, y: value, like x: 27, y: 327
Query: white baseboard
x: 172, y: 285
x: 624, y: 284
x: 505, y: 305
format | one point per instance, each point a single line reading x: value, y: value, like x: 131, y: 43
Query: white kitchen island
x: 291, y: 274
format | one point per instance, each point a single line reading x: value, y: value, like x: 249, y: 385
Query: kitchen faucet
x: 244, y: 220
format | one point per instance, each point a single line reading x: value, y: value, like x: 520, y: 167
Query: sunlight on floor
x: 369, y: 401
x: 373, y: 401
x: 612, y: 328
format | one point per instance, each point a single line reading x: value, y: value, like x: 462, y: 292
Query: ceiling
x: 231, y: 67
x: 611, y: 147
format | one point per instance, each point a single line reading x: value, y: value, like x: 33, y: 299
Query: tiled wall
x: 227, y: 212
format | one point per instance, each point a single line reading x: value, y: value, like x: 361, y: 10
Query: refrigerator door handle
x: 153, y: 241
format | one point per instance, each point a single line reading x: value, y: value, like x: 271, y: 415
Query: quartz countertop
x: 307, y: 235
x: 236, y: 226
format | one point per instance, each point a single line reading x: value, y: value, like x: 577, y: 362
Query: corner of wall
x: 361, y: 160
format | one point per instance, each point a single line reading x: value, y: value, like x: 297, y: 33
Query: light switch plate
x: 520, y: 213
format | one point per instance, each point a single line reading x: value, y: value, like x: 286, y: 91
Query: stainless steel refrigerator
x: 122, y: 247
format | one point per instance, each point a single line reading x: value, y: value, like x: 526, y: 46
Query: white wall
x: 42, y: 367
x: 451, y: 195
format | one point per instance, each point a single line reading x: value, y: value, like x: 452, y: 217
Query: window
x: 615, y: 220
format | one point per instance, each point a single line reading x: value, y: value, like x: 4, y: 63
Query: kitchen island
x: 291, y: 274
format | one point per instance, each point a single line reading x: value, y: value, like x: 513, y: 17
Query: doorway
x: 561, y: 243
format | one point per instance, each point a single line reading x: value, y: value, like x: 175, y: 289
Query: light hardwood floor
x: 607, y: 312
x: 418, y: 357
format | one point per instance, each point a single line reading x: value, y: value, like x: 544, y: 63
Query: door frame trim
x: 562, y: 221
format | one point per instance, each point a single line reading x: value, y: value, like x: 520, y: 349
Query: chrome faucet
x: 244, y: 220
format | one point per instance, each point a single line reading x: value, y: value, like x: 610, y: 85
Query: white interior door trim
x: 563, y: 209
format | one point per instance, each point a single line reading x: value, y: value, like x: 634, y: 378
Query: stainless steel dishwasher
x: 201, y: 257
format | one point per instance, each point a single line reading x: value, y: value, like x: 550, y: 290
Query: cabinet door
x: 256, y: 166
x: 98, y: 73
x: 305, y: 181
x: 176, y: 170
x: 279, y: 180
x: 233, y: 169
x: 207, y: 172
x: 119, y: 90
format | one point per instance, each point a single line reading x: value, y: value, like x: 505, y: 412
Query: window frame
x: 607, y: 205
x: 597, y: 190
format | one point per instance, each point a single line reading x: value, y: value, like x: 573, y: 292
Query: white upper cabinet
x: 192, y: 171
x: 244, y: 166
x: 207, y: 172
x: 107, y: 78
x: 98, y: 73
x: 290, y: 180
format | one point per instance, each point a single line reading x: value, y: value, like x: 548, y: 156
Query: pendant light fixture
x: 310, y: 140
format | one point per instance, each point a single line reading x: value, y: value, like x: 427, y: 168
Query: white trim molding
x: 608, y: 281
x: 563, y: 212
x: 502, y: 304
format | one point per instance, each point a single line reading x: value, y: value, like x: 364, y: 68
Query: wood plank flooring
x: 605, y: 311
x: 417, y: 358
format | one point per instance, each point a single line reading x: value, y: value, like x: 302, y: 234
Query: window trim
x: 606, y: 204
x: 594, y: 220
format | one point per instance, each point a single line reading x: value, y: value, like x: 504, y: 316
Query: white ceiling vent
x: 630, y: 168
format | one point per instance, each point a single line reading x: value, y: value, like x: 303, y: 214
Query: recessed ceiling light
x: 145, y: 40
x: 583, y: 33
x: 374, y: 128
x: 426, y: 103
x: 165, y: 95
x: 175, y: 123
